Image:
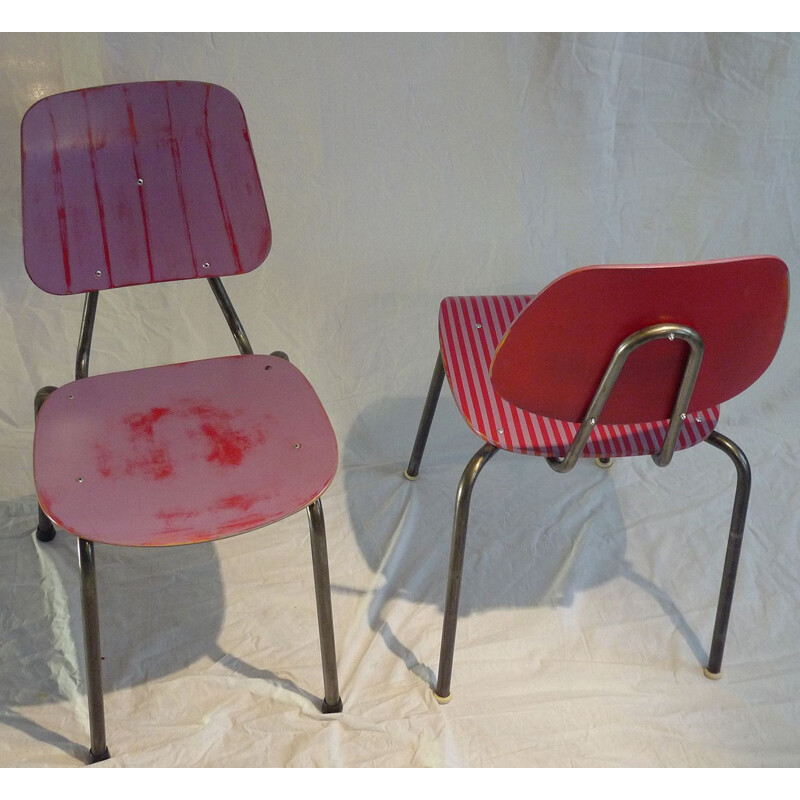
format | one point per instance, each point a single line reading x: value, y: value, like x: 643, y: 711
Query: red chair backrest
x: 555, y: 353
x: 139, y: 183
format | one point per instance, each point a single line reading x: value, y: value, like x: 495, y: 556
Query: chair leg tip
x: 46, y: 535
x: 442, y: 700
x: 408, y: 476
x: 104, y: 756
x: 714, y: 676
x: 332, y: 708
x: 604, y: 463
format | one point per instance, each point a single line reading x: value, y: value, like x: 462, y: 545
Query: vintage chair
x: 607, y: 361
x: 140, y: 183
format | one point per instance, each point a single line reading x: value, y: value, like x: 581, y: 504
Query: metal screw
x: 206, y: 265
x: 71, y: 396
x: 592, y: 421
x: 478, y: 325
x: 671, y: 337
x: 297, y: 446
x: 269, y: 366
x: 698, y: 418
x: 683, y: 416
x: 79, y: 480
x: 98, y: 273
x: 140, y: 182
x: 500, y: 430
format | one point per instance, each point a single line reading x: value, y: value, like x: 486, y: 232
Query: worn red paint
x: 226, y: 217
x: 131, y: 116
x: 142, y: 206
x: 156, y: 463
x: 141, y: 425
x: 240, y: 501
x: 101, y: 211
x: 173, y: 516
x: 58, y: 185
x: 228, y: 446
x: 104, y: 460
x: 175, y: 152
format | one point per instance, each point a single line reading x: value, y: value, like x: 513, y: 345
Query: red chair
x: 140, y: 183
x: 606, y: 362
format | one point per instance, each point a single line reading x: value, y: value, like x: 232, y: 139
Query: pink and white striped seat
x: 470, y: 331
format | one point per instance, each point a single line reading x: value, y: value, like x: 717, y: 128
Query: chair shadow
x: 161, y: 610
x: 536, y: 538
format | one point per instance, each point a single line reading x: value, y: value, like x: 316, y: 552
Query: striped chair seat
x: 470, y: 330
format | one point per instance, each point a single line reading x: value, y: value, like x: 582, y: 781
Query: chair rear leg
x: 412, y: 471
x: 322, y: 588
x: 743, y: 481
x: 45, y: 530
x: 460, y: 520
x: 91, y: 638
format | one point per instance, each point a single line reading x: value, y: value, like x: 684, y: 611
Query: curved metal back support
x: 670, y: 332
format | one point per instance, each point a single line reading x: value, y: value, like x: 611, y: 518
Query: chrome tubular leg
x: 743, y: 481
x: 428, y: 411
x: 322, y: 587
x: 91, y: 637
x: 460, y: 519
x: 45, y: 530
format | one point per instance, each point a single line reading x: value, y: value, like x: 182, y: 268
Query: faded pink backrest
x: 554, y: 355
x: 139, y: 183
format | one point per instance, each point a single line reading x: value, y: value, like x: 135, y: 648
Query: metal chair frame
x: 669, y: 331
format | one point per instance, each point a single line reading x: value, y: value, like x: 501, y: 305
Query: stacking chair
x: 134, y: 184
x: 607, y: 362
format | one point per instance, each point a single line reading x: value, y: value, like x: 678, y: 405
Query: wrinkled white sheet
x: 399, y: 169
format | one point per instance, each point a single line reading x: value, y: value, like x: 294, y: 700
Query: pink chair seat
x: 182, y: 453
x: 470, y: 331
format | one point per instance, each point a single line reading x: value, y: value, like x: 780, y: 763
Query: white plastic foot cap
x: 443, y: 700
x: 714, y: 676
x: 409, y: 477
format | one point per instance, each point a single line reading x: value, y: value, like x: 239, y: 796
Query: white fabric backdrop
x: 399, y: 169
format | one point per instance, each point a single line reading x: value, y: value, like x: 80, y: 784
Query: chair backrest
x: 139, y: 183
x: 553, y: 356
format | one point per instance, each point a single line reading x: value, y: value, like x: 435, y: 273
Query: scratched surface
x: 138, y: 183
x: 182, y: 453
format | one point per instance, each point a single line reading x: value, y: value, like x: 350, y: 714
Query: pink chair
x: 141, y: 183
x: 607, y: 362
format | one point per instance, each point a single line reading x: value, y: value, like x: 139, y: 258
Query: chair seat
x: 184, y: 452
x: 470, y: 330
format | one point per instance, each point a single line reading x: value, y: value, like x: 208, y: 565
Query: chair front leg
x: 743, y: 482
x: 45, y: 530
x: 460, y: 520
x: 91, y: 639
x: 322, y: 588
x: 412, y: 470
